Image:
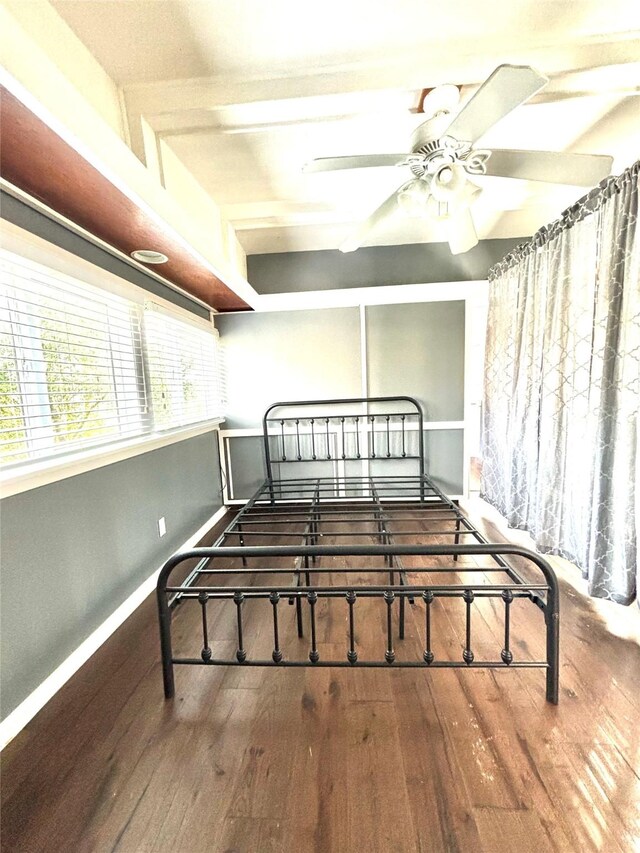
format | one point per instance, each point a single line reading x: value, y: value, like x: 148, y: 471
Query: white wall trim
x: 466, y: 458
x: 354, y: 297
x: 364, y: 368
x: 36, y: 700
x: 412, y: 427
x: 475, y: 312
x: 36, y: 474
x: 364, y: 379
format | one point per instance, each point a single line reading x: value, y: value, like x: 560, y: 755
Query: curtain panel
x: 560, y: 430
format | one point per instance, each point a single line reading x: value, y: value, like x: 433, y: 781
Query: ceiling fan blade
x: 508, y: 87
x: 389, y: 206
x: 556, y: 167
x: 359, y: 161
x: 461, y: 232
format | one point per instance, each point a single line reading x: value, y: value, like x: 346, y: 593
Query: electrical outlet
x: 162, y: 526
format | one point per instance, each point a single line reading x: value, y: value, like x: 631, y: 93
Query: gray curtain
x: 562, y: 387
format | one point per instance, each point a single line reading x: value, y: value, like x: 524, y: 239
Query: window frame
x: 45, y: 257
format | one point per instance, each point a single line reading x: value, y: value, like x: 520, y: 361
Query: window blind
x: 185, y: 370
x: 81, y: 366
x: 71, y: 364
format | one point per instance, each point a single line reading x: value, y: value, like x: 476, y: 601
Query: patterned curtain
x: 561, y: 440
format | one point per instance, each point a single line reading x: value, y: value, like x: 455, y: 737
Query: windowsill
x: 36, y: 474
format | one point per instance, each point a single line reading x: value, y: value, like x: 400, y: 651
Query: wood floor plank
x: 379, y: 816
x: 600, y: 795
x: 441, y: 809
x: 318, y: 798
x: 508, y: 829
x: 242, y: 835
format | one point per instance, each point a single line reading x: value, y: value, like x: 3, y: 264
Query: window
x: 184, y: 370
x: 80, y: 366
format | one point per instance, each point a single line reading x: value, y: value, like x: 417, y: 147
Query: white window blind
x: 185, y: 370
x: 82, y: 366
x: 71, y: 364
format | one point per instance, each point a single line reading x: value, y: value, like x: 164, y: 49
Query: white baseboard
x: 27, y: 709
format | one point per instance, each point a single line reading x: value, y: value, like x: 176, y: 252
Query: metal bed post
x: 164, y: 616
x: 387, y: 539
x: 267, y: 455
x: 421, y: 447
x: 314, y: 520
x: 552, y: 620
x: 456, y: 535
x: 306, y: 536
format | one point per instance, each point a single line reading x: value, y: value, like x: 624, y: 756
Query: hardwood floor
x: 333, y: 760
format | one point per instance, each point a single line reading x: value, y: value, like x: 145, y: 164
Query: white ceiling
x: 245, y: 92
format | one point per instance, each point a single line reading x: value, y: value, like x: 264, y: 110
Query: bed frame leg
x: 299, y: 616
x: 552, y: 619
x: 165, y: 645
x: 401, y: 631
x: 241, y: 541
x: 552, y: 622
x: 456, y: 538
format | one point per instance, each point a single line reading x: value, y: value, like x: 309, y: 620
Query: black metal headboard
x: 384, y: 429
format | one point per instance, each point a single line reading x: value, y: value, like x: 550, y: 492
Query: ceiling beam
x: 178, y: 97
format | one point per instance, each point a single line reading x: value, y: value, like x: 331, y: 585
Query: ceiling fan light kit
x: 449, y: 183
x: 413, y: 197
x: 442, y: 157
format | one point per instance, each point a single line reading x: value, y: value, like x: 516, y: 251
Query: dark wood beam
x: 39, y: 162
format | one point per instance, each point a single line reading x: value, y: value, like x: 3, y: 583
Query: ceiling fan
x: 442, y: 158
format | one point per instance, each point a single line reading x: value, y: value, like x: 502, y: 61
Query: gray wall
x: 372, y: 266
x: 418, y: 349
x: 288, y: 355
x: 415, y: 349
x: 74, y: 550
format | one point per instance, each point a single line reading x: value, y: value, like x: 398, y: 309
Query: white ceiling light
x: 449, y: 182
x: 413, y: 197
x: 148, y: 256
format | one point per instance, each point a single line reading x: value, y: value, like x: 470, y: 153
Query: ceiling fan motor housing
x: 430, y: 131
x: 432, y: 149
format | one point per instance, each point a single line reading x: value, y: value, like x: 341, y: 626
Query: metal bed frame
x: 327, y: 433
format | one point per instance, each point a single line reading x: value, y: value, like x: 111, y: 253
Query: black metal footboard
x: 233, y: 584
